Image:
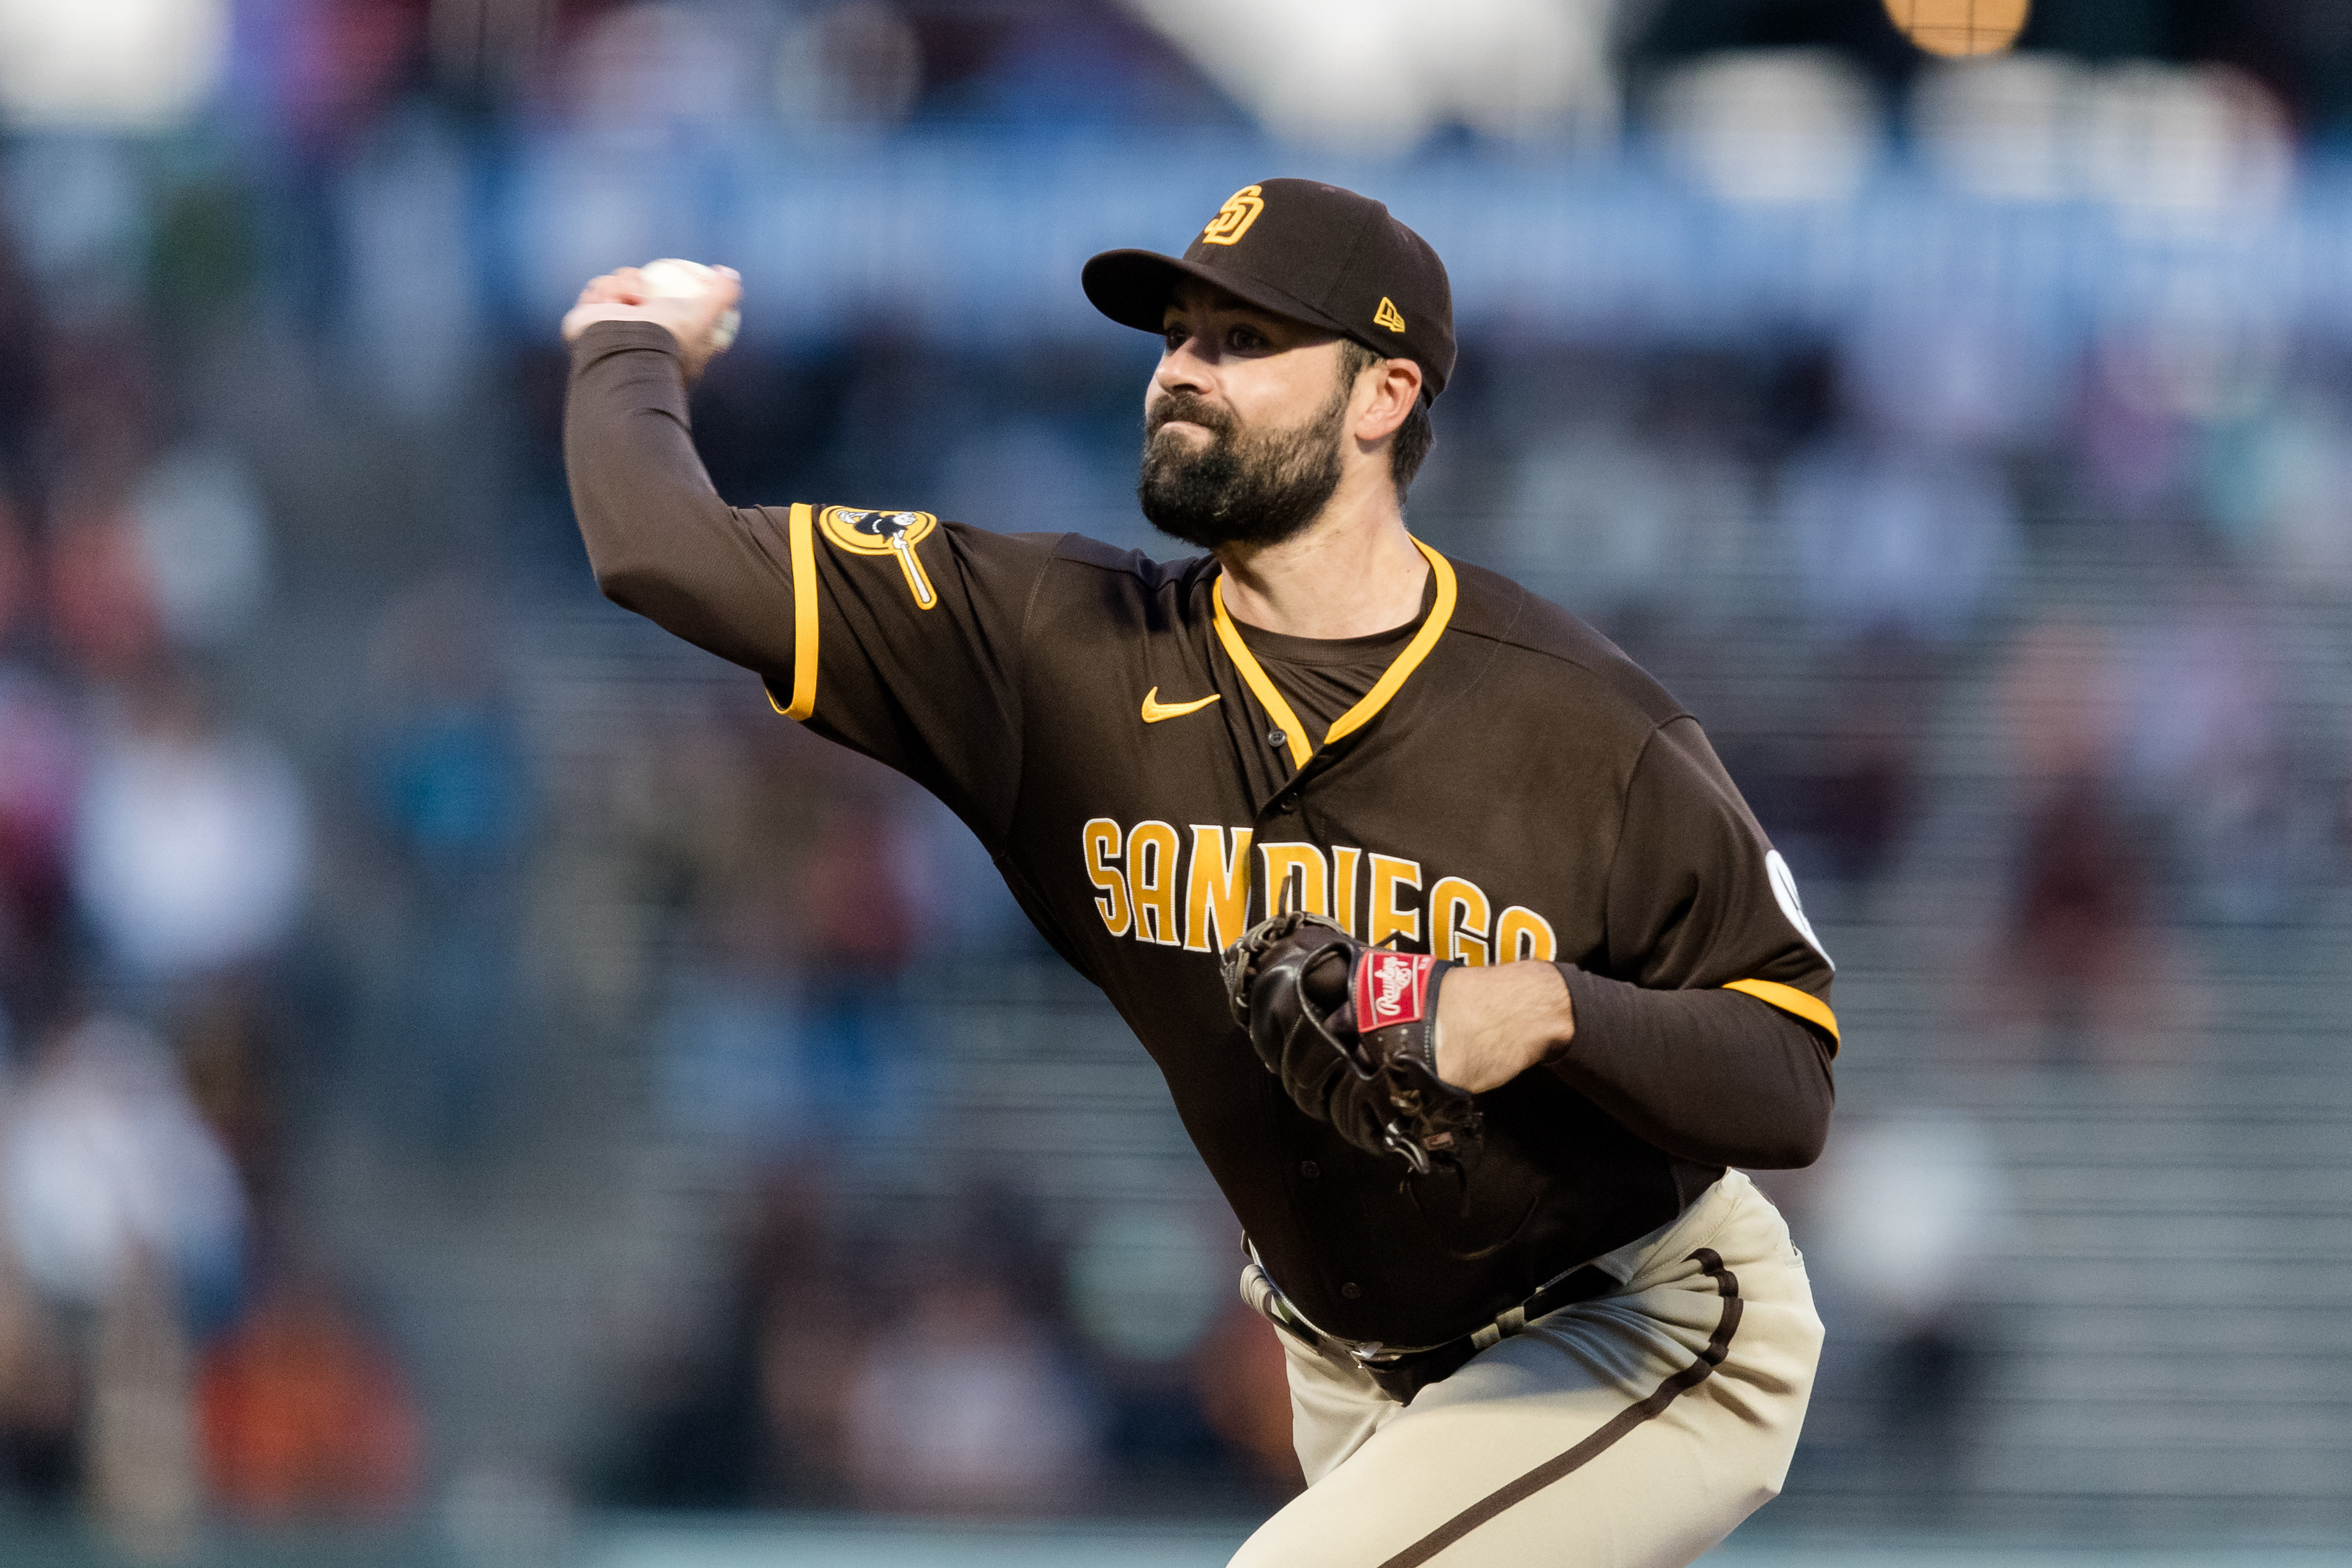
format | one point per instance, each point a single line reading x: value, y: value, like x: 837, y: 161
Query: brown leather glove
x: 1351, y: 1030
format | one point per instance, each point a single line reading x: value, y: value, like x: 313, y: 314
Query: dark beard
x: 1242, y: 487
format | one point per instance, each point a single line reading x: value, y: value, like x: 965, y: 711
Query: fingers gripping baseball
x: 1351, y: 1032
x: 698, y: 304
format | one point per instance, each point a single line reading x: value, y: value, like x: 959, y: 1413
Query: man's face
x: 1243, y: 421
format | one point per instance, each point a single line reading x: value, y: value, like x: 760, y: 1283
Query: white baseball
x: 673, y: 278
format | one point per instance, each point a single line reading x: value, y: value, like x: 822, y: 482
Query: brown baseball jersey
x: 1494, y: 783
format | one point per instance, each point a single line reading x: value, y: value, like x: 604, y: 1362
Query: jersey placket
x: 1289, y: 733
x: 1278, y: 818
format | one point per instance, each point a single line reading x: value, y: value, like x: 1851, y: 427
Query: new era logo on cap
x: 1386, y: 316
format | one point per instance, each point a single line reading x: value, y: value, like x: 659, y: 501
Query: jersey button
x: 1351, y: 1289
x: 1310, y: 1169
x: 1288, y: 803
x: 1276, y: 738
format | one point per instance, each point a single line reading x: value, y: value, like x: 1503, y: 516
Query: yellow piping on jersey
x: 1254, y: 674
x: 1789, y: 999
x: 1440, y: 613
x: 805, y: 639
x: 1391, y: 679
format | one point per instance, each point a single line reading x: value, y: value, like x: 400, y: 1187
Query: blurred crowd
x: 340, y: 825
x: 982, y: 1364
x: 167, y: 1332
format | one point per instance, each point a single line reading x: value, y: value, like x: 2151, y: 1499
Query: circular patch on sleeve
x: 867, y: 531
x: 875, y: 532
x: 1784, y: 891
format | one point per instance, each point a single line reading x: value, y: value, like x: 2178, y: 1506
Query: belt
x: 1403, y: 1373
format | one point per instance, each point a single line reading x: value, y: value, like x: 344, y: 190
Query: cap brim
x: 1133, y: 287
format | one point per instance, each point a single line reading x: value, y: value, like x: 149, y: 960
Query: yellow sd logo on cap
x: 1234, y: 219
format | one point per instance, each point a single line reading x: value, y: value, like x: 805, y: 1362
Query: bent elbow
x: 636, y: 585
x: 1803, y: 1152
x: 1801, y: 1131
x: 1797, y: 1146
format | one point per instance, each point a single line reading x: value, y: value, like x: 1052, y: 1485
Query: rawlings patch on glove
x: 1351, y: 1030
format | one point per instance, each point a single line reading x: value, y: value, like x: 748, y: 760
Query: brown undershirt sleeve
x: 661, y: 541
x: 1716, y: 1077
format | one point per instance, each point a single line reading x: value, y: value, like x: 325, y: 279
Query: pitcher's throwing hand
x: 703, y: 322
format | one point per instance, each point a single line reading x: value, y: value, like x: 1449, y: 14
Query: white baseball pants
x: 1635, y: 1430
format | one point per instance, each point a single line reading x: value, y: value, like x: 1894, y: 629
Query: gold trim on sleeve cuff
x: 805, y: 639
x: 1789, y: 999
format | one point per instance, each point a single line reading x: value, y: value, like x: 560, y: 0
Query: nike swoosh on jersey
x: 1155, y: 711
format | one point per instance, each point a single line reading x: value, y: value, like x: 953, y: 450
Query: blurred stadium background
x: 478, y: 1086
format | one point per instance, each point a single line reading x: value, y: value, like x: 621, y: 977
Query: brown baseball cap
x: 1315, y: 253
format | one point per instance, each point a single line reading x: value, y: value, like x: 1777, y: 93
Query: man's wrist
x: 600, y: 340
x: 1501, y: 1023
x: 582, y: 319
x: 1562, y: 1028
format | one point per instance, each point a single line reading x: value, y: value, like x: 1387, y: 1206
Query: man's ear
x: 1396, y: 387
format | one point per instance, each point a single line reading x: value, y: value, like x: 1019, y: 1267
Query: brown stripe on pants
x: 1551, y: 1470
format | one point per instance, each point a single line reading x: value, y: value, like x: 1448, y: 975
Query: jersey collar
x: 1391, y: 679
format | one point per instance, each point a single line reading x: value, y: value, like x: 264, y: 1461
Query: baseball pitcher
x: 1470, y: 971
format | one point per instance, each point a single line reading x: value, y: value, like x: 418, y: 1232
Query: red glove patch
x: 1391, y: 988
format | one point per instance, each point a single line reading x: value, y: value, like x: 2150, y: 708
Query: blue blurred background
x: 480, y: 1088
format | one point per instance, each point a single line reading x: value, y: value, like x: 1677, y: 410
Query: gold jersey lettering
x: 1216, y: 890
x: 1391, y: 873
x: 1458, y: 911
x: 1101, y: 837
x: 1151, y: 882
x: 1522, y: 935
x: 1314, y: 877
x: 1344, y: 860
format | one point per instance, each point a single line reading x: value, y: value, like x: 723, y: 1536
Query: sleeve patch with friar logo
x: 866, y: 531
x: 1391, y: 988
